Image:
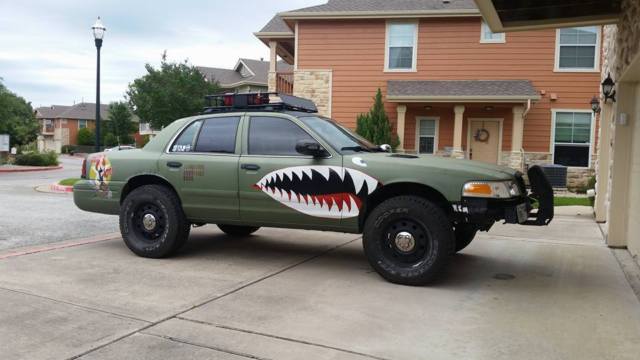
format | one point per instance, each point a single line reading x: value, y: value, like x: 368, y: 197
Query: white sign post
x: 4, y: 143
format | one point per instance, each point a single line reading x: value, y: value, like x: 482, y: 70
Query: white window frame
x: 436, y: 134
x: 414, y: 63
x: 484, y: 25
x: 592, y: 137
x: 86, y: 124
x: 596, y: 63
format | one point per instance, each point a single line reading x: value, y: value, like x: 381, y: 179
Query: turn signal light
x: 478, y: 189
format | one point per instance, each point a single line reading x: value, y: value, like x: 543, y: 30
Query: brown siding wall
x: 72, y: 125
x: 448, y: 49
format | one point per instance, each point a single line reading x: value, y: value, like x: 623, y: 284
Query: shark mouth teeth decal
x: 323, y: 191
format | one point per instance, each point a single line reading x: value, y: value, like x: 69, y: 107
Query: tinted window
x: 274, y: 136
x: 185, y: 142
x: 218, y: 135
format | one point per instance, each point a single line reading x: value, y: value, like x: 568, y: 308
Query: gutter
x: 290, y: 15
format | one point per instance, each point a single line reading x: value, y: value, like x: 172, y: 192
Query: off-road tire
x: 464, y: 234
x: 172, y: 225
x: 429, y: 227
x: 238, y: 231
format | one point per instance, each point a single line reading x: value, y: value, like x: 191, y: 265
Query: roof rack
x: 257, y: 101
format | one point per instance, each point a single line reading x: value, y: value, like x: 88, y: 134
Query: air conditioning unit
x: 557, y: 175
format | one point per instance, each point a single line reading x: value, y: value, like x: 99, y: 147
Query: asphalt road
x: 29, y: 217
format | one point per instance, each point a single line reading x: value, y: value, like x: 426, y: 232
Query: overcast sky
x: 47, y: 53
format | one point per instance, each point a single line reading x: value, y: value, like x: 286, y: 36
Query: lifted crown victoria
x: 249, y: 163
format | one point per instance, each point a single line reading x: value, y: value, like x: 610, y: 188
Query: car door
x: 279, y: 186
x: 202, y: 163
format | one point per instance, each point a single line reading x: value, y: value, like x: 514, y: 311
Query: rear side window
x: 186, y: 141
x: 274, y: 136
x: 218, y: 135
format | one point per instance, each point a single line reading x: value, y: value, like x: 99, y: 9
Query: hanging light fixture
x: 595, y: 105
x: 608, y: 88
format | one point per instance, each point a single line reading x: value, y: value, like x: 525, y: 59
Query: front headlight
x: 491, y: 189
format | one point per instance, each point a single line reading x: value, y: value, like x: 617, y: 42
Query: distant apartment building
x: 59, y: 124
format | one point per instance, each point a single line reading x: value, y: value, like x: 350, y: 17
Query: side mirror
x: 311, y: 148
x: 385, y: 147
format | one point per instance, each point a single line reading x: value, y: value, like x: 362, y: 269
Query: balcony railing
x: 47, y: 129
x: 284, y: 82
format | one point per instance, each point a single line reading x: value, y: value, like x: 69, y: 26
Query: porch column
x: 516, y: 158
x: 273, y: 61
x: 604, y: 163
x: 402, y: 112
x: 457, y: 132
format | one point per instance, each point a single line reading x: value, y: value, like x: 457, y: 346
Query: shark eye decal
x: 323, y: 191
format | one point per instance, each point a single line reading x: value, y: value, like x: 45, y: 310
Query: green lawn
x: 69, y: 182
x: 568, y: 201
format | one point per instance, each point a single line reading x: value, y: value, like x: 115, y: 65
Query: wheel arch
x: 403, y: 188
x: 146, y: 179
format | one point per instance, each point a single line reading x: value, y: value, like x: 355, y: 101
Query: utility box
x: 4, y: 143
x: 557, y: 175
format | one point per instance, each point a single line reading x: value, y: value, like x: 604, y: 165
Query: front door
x: 280, y: 187
x: 484, y: 140
x: 202, y: 164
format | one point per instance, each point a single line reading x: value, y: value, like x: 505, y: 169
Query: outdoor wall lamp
x: 608, y: 88
x: 595, y: 105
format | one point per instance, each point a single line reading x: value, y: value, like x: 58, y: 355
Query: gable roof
x: 85, y: 111
x: 276, y: 26
x: 384, y: 8
x: 457, y: 90
x: 229, y: 78
x: 50, y: 112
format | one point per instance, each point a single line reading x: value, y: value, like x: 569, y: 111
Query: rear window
x: 218, y: 135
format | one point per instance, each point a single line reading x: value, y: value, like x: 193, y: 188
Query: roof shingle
x: 339, y: 6
x: 461, y: 88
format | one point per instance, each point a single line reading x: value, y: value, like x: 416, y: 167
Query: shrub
x: 375, y: 125
x: 49, y: 158
x: 86, y: 137
x: 110, y: 140
x: 68, y: 149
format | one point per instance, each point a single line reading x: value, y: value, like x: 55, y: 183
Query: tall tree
x: 173, y: 91
x: 17, y: 118
x: 375, y: 125
x: 119, y: 124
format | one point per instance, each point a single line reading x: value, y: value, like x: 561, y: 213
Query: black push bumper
x: 520, y: 210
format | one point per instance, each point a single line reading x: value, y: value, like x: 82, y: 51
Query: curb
x: 30, y: 169
x: 35, y: 249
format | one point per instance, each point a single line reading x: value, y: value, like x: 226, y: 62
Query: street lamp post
x: 98, y: 34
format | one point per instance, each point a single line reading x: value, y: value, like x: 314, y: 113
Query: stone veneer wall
x: 314, y: 85
x: 271, y: 81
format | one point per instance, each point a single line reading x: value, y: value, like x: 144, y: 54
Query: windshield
x: 339, y: 137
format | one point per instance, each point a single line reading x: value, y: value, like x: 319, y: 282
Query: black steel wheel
x: 408, y: 240
x: 152, y: 222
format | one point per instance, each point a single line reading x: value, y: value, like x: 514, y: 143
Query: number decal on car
x: 322, y: 191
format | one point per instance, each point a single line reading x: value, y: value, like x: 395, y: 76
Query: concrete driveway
x: 525, y: 293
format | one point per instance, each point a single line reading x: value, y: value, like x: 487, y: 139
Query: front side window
x: 218, y: 135
x: 427, y: 136
x: 82, y: 124
x: 572, y: 143
x: 577, y: 48
x: 339, y: 137
x: 274, y: 136
x: 488, y: 36
x: 186, y: 141
x: 401, y: 46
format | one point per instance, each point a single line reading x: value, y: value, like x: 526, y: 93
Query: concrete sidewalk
x: 517, y: 292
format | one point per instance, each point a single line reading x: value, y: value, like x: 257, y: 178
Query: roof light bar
x: 257, y: 101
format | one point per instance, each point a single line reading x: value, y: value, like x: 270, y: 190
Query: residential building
x: 246, y: 76
x: 60, y: 124
x: 452, y: 86
x: 618, y: 168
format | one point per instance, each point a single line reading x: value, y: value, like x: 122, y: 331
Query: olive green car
x: 243, y: 168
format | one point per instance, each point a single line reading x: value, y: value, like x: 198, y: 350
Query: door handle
x: 250, y: 167
x: 174, y: 164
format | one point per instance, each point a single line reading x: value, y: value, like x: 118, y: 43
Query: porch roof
x: 461, y: 91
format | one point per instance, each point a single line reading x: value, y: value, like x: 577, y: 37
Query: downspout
x: 524, y: 116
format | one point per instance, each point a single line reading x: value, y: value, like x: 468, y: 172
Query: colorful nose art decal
x: 323, y: 191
